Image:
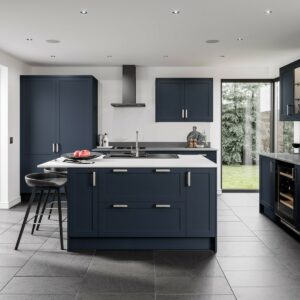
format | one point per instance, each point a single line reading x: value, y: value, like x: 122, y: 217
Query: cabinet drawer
x: 141, y: 219
x: 144, y: 185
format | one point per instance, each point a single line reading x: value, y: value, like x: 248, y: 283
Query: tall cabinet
x: 58, y: 115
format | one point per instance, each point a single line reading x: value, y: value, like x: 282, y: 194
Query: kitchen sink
x: 141, y: 155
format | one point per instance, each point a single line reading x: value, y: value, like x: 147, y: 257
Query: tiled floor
x: 255, y: 260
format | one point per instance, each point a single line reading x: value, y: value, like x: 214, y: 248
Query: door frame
x: 272, y: 123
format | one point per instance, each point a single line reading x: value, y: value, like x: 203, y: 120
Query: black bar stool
x: 41, y: 182
x: 60, y: 172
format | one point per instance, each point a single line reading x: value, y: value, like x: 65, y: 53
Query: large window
x: 246, y: 131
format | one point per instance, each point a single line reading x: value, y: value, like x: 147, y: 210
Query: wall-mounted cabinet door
x: 169, y: 100
x: 82, y: 202
x: 287, y: 106
x: 75, y: 114
x: 198, y: 96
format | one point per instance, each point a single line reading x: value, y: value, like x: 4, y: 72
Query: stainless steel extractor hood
x: 129, y: 88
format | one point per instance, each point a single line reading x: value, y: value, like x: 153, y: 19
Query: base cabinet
x: 143, y: 203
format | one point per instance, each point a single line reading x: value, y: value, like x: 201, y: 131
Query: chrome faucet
x: 137, y: 144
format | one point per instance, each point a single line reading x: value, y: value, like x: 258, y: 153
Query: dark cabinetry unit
x: 141, y: 204
x: 267, y: 185
x: 58, y: 115
x: 280, y: 192
x: 290, y: 92
x: 184, y: 100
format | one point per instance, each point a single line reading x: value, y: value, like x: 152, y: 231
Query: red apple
x: 76, y: 153
x: 84, y: 153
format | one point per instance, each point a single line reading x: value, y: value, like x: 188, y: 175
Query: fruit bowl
x: 91, y: 156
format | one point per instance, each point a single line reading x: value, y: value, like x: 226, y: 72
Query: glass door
x: 246, y: 131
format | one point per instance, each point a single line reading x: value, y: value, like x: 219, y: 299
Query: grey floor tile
x: 246, y: 211
x: 233, y: 229
x: 259, y: 223
x: 261, y: 278
x: 13, y: 260
x: 24, y: 249
x: 43, y: 285
x: 6, y: 274
x: 240, y: 200
x: 187, y: 263
x: 37, y: 297
x: 228, y: 219
x: 192, y: 285
x: 251, y: 263
x: 243, y: 249
x: 238, y: 239
x: 225, y: 212
x: 100, y: 282
x: 90, y: 296
x: 56, y: 264
x: 194, y: 297
x: 267, y: 293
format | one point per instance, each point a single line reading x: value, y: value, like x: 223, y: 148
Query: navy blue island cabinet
x: 58, y: 115
x: 184, y: 100
x: 142, y: 208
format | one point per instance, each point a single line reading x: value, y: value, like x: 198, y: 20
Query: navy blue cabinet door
x: 287, y: 94
x: 82, y: 203
x: 38, y: 123
x: 201, y: 203
x: 267, y: 179
x: 198, y: 95
x: 297, y: 204
x: 76, y: 126
x: 169, y: 100
x: 39, y: 118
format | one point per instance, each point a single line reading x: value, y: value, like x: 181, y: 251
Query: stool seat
x: 44, y: 180
x: 58, y: 171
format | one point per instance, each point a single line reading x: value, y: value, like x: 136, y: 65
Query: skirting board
x: 10, y: 204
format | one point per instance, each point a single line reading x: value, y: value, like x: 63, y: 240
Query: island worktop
x: 183, y: 161
x: 141, y: 203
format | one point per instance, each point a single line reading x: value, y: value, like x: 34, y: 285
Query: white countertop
x: 184, y: 161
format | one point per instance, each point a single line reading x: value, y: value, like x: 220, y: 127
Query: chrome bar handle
x: 162, y: 170
x: 94, y: 179
x: 57, y: 148
x: 162, y: 206
x: 120, y: 206
x: 188, y: 178
x: 186, y: 113
x: 289, y: 109
x: 120, y: 170
x: 53, y: 147
x: 182, y: 114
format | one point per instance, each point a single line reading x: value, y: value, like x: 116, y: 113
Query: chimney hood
x: 129, y: 88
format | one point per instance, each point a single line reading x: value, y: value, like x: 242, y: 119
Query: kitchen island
x: 141, y: 203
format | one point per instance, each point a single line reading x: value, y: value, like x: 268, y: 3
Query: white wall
x: 121, y: 123
x: 10, y: 127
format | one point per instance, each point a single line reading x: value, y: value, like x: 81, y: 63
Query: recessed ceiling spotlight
x: 165, y: 56
x: 175, y: 12
x: 223, y: 56
x: 29, y: 39
x: 212, y: 41
x: 52, y: 56
x: 239, y: 39
x: 52, y: 41
x: 109, y: 56
x: 268, y: 12
x: 84, y: 12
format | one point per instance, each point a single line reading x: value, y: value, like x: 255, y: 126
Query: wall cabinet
x: 142, y: 203
x: 58, y: 115
x: 290, y: 92
x: 184, y: 100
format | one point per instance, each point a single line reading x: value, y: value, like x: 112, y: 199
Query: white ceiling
x: 141, y: 32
